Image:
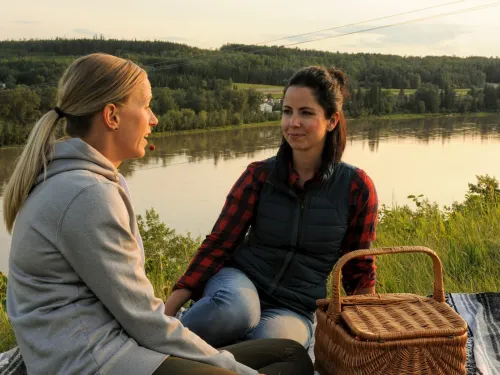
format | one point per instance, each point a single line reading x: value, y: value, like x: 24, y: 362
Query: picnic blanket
x: 481, y: 311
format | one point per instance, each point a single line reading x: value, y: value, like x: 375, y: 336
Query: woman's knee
x: 229, y: 308
x: 282, y: 324
x: 298, y: 336
x: 235, y: 296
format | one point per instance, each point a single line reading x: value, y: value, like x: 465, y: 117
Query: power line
x: 323, y: 30
x: 195, y: 60
x: 294, y: 36
x: 465, y: 10
x: 235, y: 48
x: 362, y: 22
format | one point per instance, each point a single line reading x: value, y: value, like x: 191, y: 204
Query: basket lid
x: 400, y: 316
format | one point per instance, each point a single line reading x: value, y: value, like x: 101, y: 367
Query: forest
x: 196, y: 89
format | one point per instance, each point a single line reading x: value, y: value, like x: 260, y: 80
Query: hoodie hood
x: 75, y: 154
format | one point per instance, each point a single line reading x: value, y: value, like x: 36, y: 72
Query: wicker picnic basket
x: 389, y: 334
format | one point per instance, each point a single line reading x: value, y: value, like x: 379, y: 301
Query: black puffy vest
x: 294, y: 241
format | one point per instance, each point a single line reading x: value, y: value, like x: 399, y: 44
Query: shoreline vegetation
x: 465, y: 235
x: 397, y: 116
x: 242, y: 84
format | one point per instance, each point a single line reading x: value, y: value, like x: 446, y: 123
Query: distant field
x: 460, y: 92
x: 277, y: 91
x: 259, y: 87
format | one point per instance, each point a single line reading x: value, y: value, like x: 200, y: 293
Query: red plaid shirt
x: 236, y: 216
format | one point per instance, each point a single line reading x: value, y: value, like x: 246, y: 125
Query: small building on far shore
x: 266, y: 108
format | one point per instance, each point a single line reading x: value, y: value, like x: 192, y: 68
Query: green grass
x: 466, y: 236
x: 460, y: 92
x: 467, y: 243
x: 275, y: 91
x: 396, y: 91
x: 7, y: 339
x: 260, y: 87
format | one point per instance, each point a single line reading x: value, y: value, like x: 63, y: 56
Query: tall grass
x: 7, y: 339
x: 167, y: 253
x: 466, y: 237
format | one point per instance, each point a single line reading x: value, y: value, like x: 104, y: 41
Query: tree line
x: 217, y: 104
x: 23, y: 61
x: 428, y: 98
x: 194, y: 88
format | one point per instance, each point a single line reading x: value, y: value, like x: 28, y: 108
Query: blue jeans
x: 230, y: 311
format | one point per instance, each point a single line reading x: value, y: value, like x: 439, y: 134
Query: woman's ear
x: 111, y: 116
x: 334, y: 120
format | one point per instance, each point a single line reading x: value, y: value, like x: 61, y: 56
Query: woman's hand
x: 176, y: 300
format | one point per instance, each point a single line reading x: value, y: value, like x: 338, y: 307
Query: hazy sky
x: 212, y: 23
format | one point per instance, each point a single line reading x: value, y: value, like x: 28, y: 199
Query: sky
x: 213, y: 23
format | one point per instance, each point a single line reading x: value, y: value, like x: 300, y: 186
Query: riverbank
x: 397, y: 116
x: 218, y: 129
x: 413, y: 116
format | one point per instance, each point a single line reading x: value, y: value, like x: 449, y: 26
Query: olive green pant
x: 267, y: 356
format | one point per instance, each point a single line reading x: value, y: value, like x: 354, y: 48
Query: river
x: 188, y: 176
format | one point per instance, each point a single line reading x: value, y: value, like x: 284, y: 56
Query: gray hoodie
x: 77, y: 295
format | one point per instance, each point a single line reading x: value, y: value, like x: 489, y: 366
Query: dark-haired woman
x: 284, y: 225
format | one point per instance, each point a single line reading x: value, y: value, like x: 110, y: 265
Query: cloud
x: 85, y: 31
x: 311, y: 37
x: 415, y: 34
x: 279, y: 39
x: 402, y: 35
x: 26, y: 22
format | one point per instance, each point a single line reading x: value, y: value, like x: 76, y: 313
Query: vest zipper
x: 291, y: 254
x: 302, y: 203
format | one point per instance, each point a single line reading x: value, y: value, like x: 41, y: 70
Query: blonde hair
x: 85, y: 88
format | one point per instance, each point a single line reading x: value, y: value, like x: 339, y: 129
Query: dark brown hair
x: 329, y: 87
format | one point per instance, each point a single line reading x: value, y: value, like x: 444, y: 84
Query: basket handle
x: 334, y: 307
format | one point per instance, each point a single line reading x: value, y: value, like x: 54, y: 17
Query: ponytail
x: 32, y: 161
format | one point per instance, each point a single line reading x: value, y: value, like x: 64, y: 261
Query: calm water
x: 188, y: 176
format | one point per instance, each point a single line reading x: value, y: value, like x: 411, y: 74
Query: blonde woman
x: 78, y: 296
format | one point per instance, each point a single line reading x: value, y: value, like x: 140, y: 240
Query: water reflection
x: 225, y: 145
x: 435, y: 157
x: 215, y: 145
x: 424, y: 131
